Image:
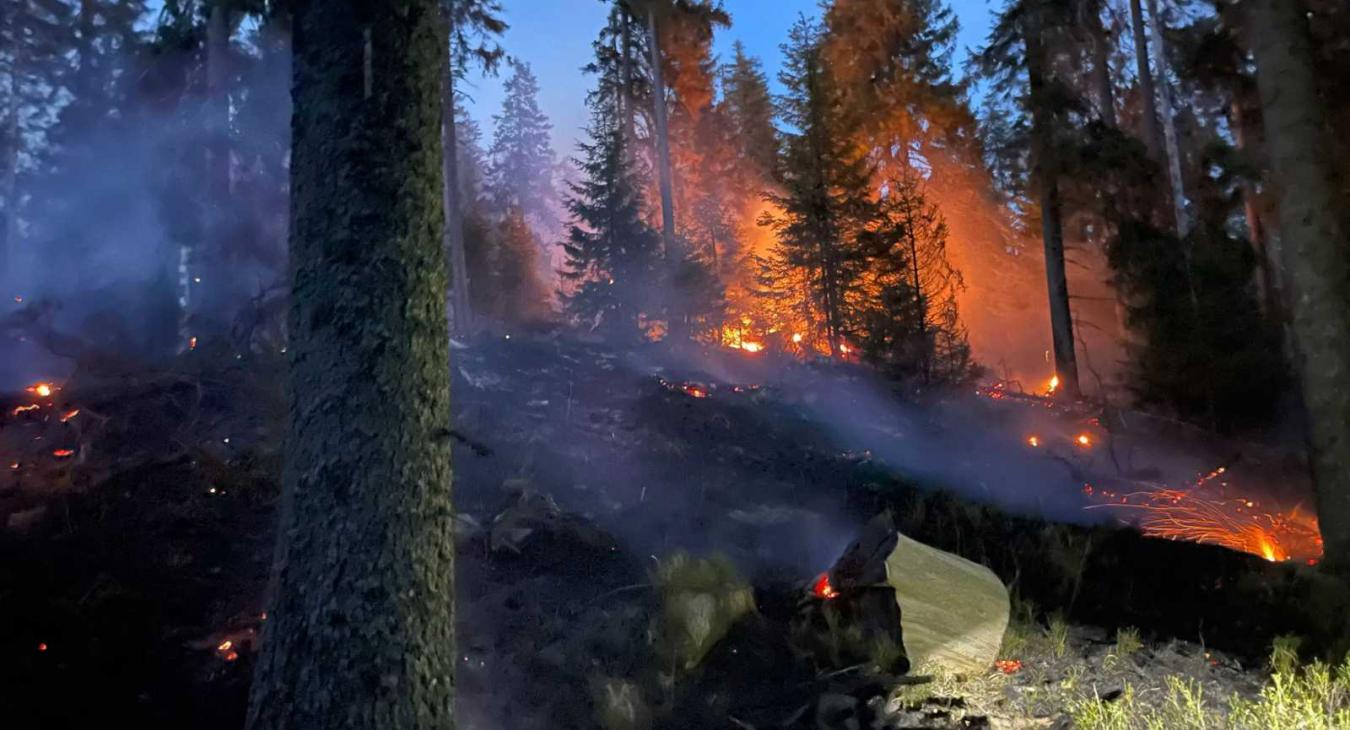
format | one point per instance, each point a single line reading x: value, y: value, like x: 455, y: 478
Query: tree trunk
x: 1315, y: 245
x: 1101, y: 64
x: 1052, y: 226
x: 361, y: 631
x: 9, y: 177
x: 453, y: 232
x: 1152, y: 135
x: 674, y: 254
x: 1169, y: 124
x: 1265, y: 275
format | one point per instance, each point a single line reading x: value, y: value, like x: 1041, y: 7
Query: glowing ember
x: 1034, y: 441
x: 69, y: 415
x: 694, y: 391
x: 1201, y: 515
x: 1008, y: 666
x: 14, y: 465
x: 192, y: 343
x: 1052, y: 386
x: 225, y: 645
x: 63, y: 453
x: 42, y: 646
x: 751, y: 346
x: 797, y: 338
x: 230, y: 656
x: 25, y: 409
x: 42, y: 390
x: 823, y: 589
x: 1083, y: 440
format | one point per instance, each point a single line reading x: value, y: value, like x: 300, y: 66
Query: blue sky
x: 554, y: 37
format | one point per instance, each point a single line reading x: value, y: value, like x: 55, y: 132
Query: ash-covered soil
x: 133, y: 570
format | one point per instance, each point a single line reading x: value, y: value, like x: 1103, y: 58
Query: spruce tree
x: 521, y: 160
x: 360, y: 633
x: 825, y: 201
x: 614, y: 262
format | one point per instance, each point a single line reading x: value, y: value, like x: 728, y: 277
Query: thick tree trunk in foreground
x: 360, y: 633
x: 1316, y: 250
x: 1052, y: 233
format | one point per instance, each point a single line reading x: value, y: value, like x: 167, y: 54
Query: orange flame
x: 63, y: 453
x: 1199, y: 515
x: 822, y: 588
x: 42, y: 390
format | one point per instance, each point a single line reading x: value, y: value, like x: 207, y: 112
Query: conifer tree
x: 614, y: 262
x: 825, y: 200
x: 521, y: 161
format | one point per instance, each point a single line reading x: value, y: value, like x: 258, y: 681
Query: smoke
x: 122, y: 243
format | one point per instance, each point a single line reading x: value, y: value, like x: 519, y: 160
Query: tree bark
x: 674, y: 254
x: 1101, y: 64
x: 361, y: 631
x: 1052, y: 225
x: 1169, y: 125
x: 1315, y: 246
x: 453, y: 233
x: 1152, y: 135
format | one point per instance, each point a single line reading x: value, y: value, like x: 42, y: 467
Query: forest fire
x: 1198, y: 514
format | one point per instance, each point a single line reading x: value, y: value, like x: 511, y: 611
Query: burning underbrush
x: 641, y: 536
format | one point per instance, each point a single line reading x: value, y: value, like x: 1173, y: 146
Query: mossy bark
x: 360, y: 631
x: 1316, y: 248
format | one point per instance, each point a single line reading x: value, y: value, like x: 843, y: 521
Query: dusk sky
x: 554, y: 37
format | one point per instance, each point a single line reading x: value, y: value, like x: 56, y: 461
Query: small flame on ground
x: 192, y: 343
x: 1053, y: 385
x: 69, y: 415
x: 25, y: 409
x: 1034, y: 441
x: 1083, y: 440
x: 42, y: 646
x: 63, y: 453
x: 823, y: 589
x: 42, y: 390
x: 1008, y: 666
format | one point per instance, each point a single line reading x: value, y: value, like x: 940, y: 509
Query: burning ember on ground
x: 42, y: 390
x: 822, y: 588
x: 1052, y: 386
x: 1199, y: 513
x: 1034, y: 441
x: 1008, y: 666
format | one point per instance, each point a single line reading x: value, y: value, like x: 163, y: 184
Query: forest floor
x: 135, y: 538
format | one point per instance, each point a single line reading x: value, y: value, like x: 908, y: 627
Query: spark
x: 1199, y: 515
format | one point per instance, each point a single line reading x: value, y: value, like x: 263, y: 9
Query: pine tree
x: 473, y: 26
x: 520, y: 172
x: 1020, y: 58
x: 912, y: 327
x: 747, y: 108
x: 614, y: 262
x: 825, y: 201
x: 361, y: 631
x: 34, y: 38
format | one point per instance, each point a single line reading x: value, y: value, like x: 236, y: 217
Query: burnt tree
x: 360, y: 631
